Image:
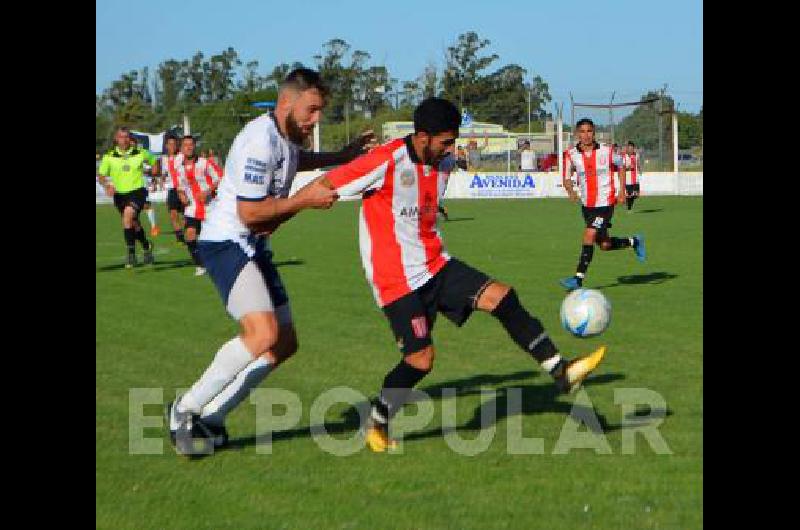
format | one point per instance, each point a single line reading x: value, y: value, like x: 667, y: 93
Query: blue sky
x: 588, y: 48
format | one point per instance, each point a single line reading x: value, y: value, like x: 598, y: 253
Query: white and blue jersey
x: 261, y: 163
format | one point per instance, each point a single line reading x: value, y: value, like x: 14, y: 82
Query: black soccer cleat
x: 130, y: 262
x: 219, y: 434
x: 192, y: 438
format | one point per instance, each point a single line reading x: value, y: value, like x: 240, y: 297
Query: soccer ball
x: 585, y: 312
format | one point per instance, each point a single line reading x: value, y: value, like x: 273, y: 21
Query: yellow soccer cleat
x: 578, y: 369
x: 378, y: 439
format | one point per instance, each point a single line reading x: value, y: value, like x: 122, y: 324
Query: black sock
x: 526, y: 331
x: 194, y: 253
x: 179, y: 235
x: 130, y: 239
x: 629, y: 200
x: 396, y: 387
x: 587, y: 251
x: 141, y: 239
x: 620, y: 242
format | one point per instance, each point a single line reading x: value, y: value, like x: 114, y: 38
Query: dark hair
x: 631, y: 143
x: 435, y: 115
x: 584, y: 121
x: 301, y: 79
x: 189, y: 137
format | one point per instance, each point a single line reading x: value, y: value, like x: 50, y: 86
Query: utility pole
x: 661, y: 129
x: 530, y: 88
x: 611, y: 116
x: 572, y: 113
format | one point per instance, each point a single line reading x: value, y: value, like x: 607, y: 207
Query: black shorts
x: 599, y: 218
x: 632, y: 190
x: 136, y: 199
x: 453, y: 291
x: 173, y: 200
x: 193, y: 222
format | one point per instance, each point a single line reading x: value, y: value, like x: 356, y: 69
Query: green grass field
x: 159, y: 327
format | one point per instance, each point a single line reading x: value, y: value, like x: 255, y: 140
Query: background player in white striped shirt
x: 411, y: 274
x: 595, y: 165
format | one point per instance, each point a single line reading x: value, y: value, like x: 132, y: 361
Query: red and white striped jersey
x: 401, y: 245
x: 195, y: 177
x: 594, y: 174
x: 632, y: 165
x: 168, y: 168
x: 213, y: 161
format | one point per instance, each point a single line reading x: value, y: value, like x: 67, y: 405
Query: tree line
x: 217, y: 91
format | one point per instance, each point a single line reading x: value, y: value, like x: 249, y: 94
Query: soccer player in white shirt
x: 411, y: 274
x: 252, y: 200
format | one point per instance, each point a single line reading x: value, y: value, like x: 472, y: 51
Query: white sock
x: 215, y: 411
x: 151, y: 215
x: 231, y: 359
x: 551, y: 363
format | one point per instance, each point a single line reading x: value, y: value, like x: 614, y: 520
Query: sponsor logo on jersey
x: 407, y: 178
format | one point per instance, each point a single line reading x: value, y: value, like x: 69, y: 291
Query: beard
x: 429, y: 158
x: 293, y: 130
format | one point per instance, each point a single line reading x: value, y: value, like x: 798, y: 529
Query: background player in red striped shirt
x: 594, y: 165
x: 198, y: 181
x: 168, y: 164
x: 633, y: 171
x: 411, y: 274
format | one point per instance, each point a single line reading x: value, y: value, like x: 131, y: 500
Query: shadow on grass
x: 652, y: 210
x: 160, y: 266
x: 652, y: 278
x: 289, y: 262
x: 457, y: 219
x: 535, y: 399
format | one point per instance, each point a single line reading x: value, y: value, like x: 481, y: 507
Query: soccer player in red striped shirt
x: 411, y: 274
x: 198, y: 182
x: 595, y: 165
x: 633, y: 172
x: 168, y: 168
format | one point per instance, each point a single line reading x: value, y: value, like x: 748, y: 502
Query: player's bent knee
x: 422, y: 359
x: 259, y: 332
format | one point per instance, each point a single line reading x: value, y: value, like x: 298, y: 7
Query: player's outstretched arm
x: 315, y: 192
x: 273, y: 209
x: 309, y: 160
